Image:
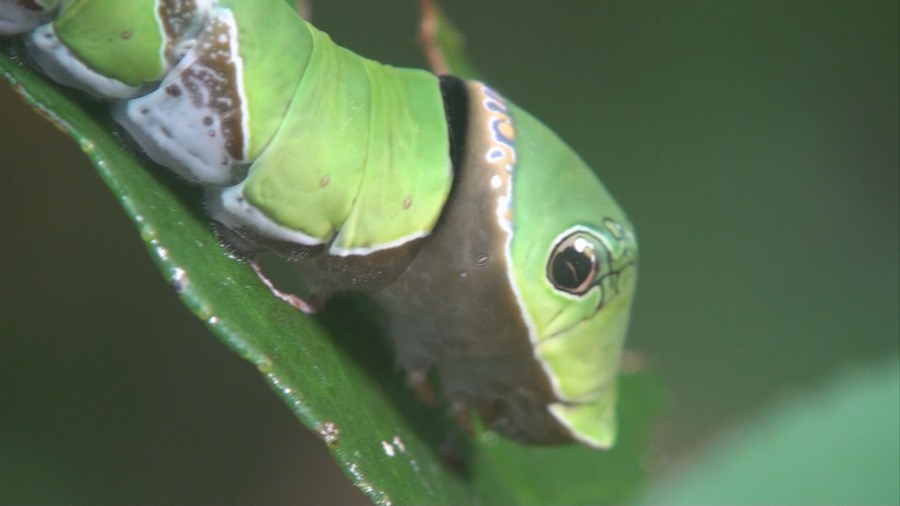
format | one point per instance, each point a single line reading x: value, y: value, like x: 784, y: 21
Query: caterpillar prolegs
x: 497, y: 255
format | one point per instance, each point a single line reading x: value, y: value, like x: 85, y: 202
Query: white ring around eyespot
x: 584, y: 243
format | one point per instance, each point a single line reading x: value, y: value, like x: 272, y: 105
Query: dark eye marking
x: 573, y: 264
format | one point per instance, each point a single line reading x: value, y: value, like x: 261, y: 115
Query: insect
x: 497, y: 255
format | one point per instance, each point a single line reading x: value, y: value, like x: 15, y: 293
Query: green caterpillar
x: 496, y: 253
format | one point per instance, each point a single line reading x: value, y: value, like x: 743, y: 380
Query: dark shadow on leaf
x: 356, y: 325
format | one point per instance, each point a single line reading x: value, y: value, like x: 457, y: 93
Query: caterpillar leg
x: 311, y: 307
x: 462, y: 413
x: 417, y: 379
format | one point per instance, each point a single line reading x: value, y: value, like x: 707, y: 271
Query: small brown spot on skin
x: 173, y: 90
x: 207, y: 121
x: 126, y: 35
x: 324, y: 181
x: 407, y: 202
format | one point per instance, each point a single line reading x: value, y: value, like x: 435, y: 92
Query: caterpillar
x: 498, y: 257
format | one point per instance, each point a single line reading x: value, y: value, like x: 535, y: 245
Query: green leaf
x: 333, y: 370
x: 575, y: 474
x: 837, y: 445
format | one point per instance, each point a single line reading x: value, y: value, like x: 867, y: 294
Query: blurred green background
x: 756, y: 146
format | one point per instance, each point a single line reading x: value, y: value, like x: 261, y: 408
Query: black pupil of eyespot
x: 570, y: 268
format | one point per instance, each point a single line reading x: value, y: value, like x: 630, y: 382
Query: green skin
x: 579, y: 339
x: 511, y: 270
